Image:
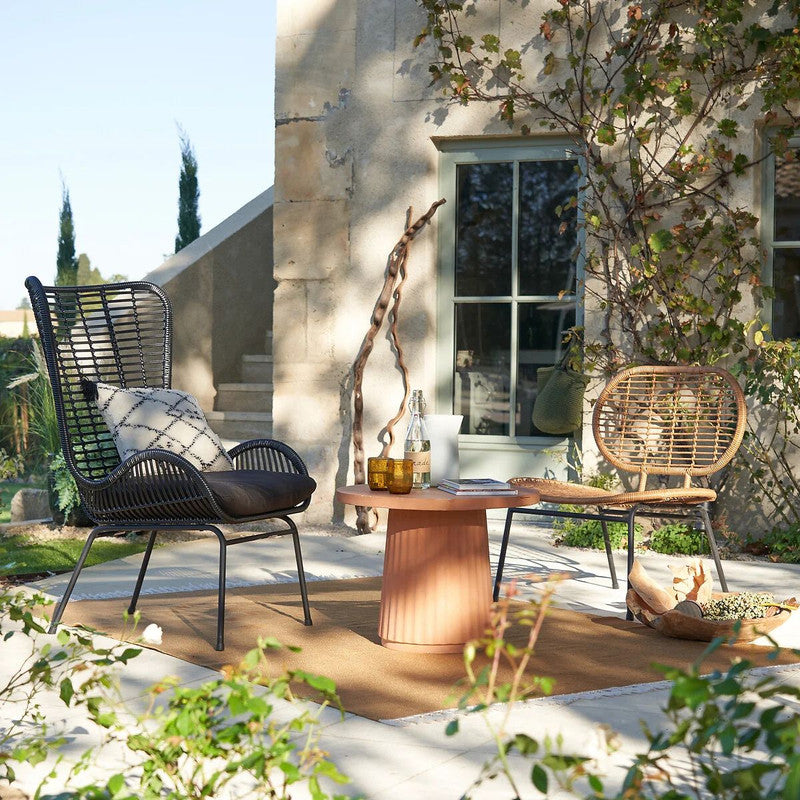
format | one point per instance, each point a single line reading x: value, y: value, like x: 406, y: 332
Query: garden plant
x: 202, y: 740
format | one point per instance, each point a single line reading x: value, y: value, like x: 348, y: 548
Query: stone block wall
x: 358, y: 132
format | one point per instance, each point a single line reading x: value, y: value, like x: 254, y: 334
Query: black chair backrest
x: 117, y: 333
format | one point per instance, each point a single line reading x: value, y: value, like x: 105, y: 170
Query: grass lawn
x: 32, y: 557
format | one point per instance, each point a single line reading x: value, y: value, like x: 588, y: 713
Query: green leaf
x: 791, y: 789
x: 115, y: 784
x: 513, y: 59
x: 318, y: 682
x: 740, y: 163
x: 67, y: 691
x: 251, y: 659
x: 490, y: 43
x: 539, y: 778
x: 606, y: 135
x: 524, y: 744
x: 660, y: 240
x: 452, y: 728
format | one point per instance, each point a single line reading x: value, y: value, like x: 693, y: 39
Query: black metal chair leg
x: 62, y: 603
x: 631, y: 537
x: 712, y: 543
x: 301, y: 575
x: 611, y: 568
x: 223, y: 555
x: 142, y: 570
x: 502, y: 558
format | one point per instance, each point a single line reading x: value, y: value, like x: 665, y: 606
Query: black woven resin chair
x: 120, y: 334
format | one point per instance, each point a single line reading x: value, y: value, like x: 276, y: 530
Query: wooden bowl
x: 684, y: 626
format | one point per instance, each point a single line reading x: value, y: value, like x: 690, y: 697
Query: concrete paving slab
x: 192, y: 566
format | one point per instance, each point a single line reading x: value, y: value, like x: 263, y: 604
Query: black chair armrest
x: 150, y: 484
x: 267, y: 454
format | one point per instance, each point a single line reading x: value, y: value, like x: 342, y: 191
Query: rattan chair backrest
x: 670, y: 420
x: 116, y: 333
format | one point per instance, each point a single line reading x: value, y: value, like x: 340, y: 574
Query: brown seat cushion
x: 253, y: 492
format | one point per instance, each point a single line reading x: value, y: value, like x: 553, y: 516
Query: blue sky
x: 94, y: 91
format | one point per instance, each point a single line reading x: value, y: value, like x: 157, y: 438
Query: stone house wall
x: 358, y: 138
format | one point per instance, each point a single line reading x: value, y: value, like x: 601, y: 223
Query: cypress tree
x: 189, y: 195
x: 66, y: 262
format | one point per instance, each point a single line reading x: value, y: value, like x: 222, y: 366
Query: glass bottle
x: 418, y: 444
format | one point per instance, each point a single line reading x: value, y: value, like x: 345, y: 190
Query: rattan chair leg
x: 712, y: 543
x: 62, y: 603
x: 502, y: 558
x: 301, y: 575
x: 609, y: 555
x: 142, y: 570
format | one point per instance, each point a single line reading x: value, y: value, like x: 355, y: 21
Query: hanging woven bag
x: 558, y: 408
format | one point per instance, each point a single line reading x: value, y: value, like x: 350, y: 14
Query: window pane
x: 786, y: 305
x: 482, y: 368
x: 483, y: 229
x: 787, y: 200
x: 541, y: 330
x: 546, y: 256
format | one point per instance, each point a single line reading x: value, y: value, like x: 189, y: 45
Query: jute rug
x: 580, y: 652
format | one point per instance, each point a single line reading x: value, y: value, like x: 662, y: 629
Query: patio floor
x: 411, y: 756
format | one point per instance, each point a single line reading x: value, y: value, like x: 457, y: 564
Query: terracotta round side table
x: 437, y: 587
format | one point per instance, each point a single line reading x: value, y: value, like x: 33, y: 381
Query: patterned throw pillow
x: 141, y: 419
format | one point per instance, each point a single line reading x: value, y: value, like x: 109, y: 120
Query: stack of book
x: 476, y: 486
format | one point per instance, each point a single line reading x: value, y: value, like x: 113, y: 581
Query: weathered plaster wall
x: 355, y: 123
x: 356, y: 132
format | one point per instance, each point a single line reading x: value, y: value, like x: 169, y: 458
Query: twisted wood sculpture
x: 392, y: 290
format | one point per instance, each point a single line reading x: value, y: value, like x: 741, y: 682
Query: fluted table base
x: 437, y: 586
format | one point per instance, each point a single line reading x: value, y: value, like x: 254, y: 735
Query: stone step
x: 240, y: 425
x: 257, y: 369
x: 244, y: 397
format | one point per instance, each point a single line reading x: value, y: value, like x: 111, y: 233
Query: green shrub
x: 65, y: 489
x: 200, y: 742
x: 11, y: 466
x: 679, y: 538
x: 783, y: 544
x: 27, y: 409
x: 589, y: 532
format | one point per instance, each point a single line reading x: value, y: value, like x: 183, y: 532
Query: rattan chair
x: 121, y: 334
x: 661, y: 421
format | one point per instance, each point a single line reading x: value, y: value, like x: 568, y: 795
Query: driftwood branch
x: 392, y: 290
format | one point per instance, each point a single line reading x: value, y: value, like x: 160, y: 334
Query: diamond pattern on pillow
x: 166, y: 419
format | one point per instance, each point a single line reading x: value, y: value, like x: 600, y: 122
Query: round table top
x: 433, y: 499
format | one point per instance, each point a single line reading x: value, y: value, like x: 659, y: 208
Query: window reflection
x: 510, y: 244
x: 541, y: 331
x: 546, y: 253
x: 787, y: 200
x: 786, y: 305
x: 483, y: 229
x: 482, y: 369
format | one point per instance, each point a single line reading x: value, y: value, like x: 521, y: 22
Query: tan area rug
x: 580, y: 652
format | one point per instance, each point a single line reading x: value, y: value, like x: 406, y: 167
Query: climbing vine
x: 662, y: 103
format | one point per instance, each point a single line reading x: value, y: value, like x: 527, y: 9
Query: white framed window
x: 780, y: 225
x: 510, y: 266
